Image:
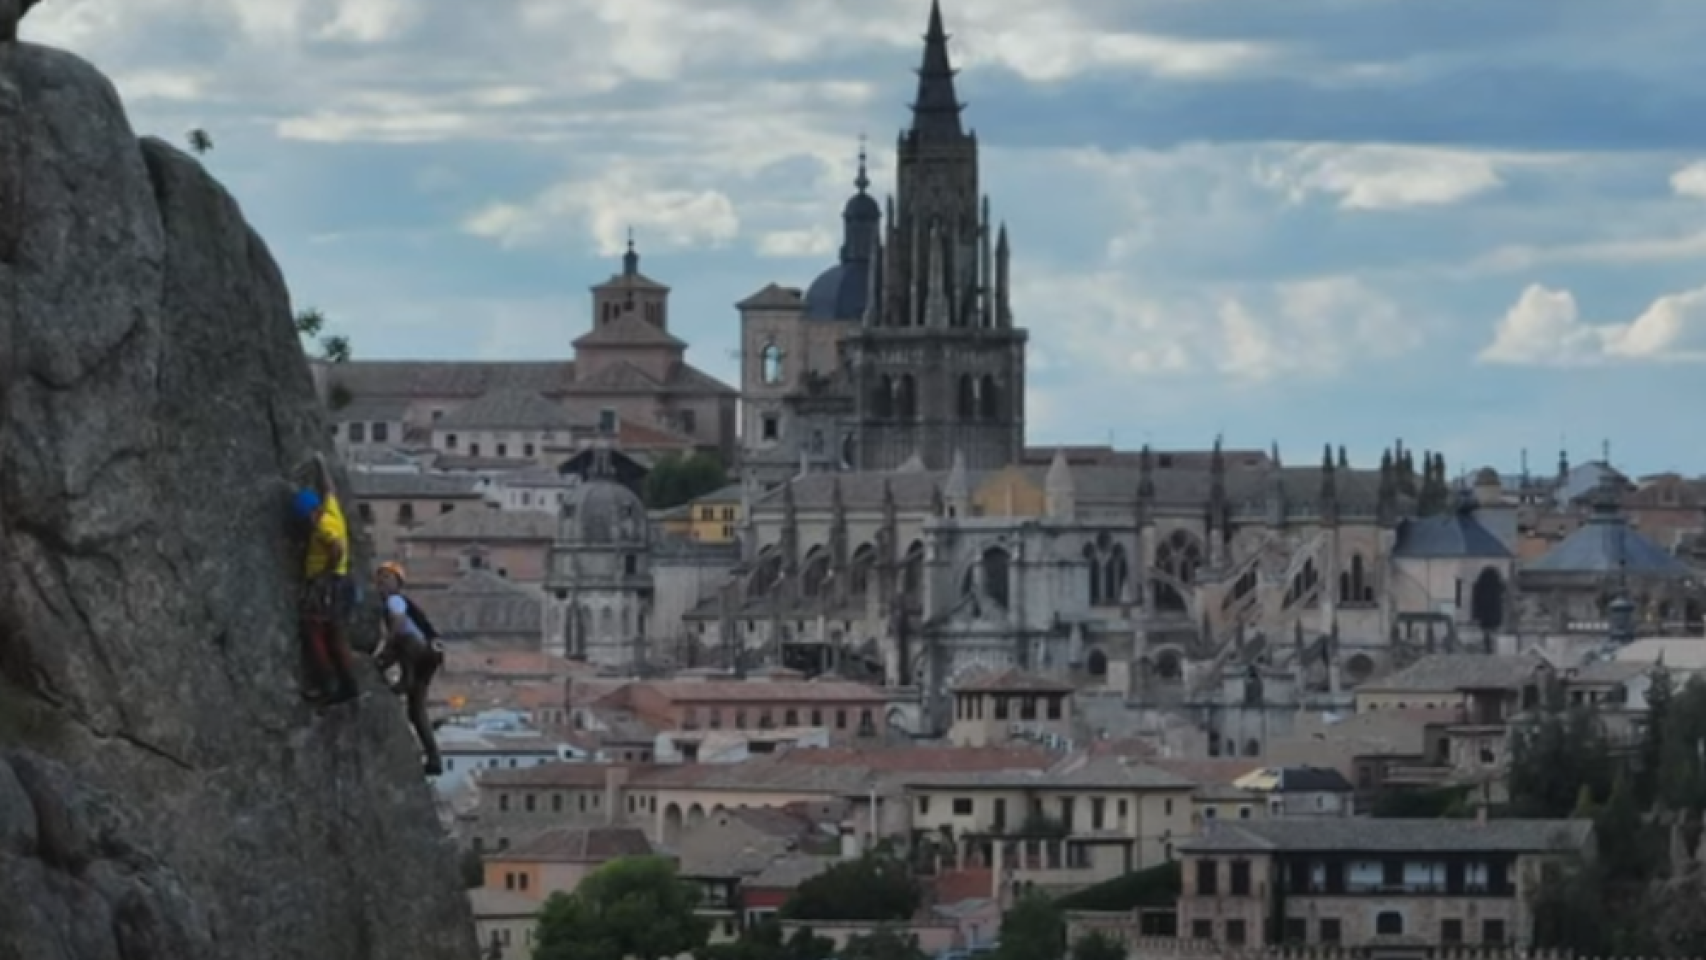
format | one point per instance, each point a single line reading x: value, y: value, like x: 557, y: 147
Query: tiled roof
x: 766, y: 691
x: 1606, y: 544
x: 578, y: 845
x: 487, y: 525
x: 1012, y: 680
x: 376, y: 485
x: 1206, y: 772
x: 1455, y: 535
x: 412, y: 379
x: 1246, y: 490
x: 772, y: 297
x: 1355, y: 834
x: 509, y: 409
x: 365, y: 409
x: 788, y: 873
x: 934, y: 759
x: 1445, y: 672
x: 1083, y: 771
x: 628, y: 331
x: 761, y: 775
x: 566, y: 774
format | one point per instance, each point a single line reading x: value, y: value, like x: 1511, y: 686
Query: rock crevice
x: 169, y: 795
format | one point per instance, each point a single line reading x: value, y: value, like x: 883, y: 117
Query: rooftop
x: 578, y: 845
x: 1356, y: 835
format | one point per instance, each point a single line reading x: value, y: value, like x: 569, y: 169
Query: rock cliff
x: 164, y: 793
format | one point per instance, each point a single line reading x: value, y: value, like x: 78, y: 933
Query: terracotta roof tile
x: 578, y: 845
x: 933, y: 758
x: 762, y: 691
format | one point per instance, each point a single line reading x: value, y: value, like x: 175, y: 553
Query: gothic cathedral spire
x: 938, y: 364
x: 936, y: 112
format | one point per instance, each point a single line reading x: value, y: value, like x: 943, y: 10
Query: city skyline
x: 1312, y: 229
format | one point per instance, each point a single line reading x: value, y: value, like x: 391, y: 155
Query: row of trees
x: 1641, y: 894
x: 640, y: 908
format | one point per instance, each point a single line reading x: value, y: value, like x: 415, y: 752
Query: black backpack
x: 420, y: 619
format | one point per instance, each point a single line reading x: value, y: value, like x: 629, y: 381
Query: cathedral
x: 896, y: 527
x: 905, y: 351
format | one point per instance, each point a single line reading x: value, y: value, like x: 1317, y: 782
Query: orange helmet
x: 394, y: 569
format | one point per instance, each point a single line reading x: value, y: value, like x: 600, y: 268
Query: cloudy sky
x: 1479, y: 225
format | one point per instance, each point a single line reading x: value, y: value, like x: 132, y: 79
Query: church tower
x: 937, y: 365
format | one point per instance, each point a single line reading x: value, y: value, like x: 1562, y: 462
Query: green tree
x: 1097, y: 945
x: 635, y: 907
x: 199, y: 140
x: 883, y: 943
x: 764, y: 941
x: 1660, y: 692
x: 677, y: 479
x: 1034, y: 929
x: 1553, y: 758
x: 876, y: 887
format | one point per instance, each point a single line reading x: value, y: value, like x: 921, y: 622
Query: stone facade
x: 906, y: 349
x: 629, y: 375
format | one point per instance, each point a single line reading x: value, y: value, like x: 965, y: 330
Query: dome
x: 601, y: 512
x: 862, y: 208
x: 839, y: 293
x: 1486, y: 477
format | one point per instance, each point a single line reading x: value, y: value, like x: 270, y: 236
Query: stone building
x: 1239, y: 591
x: 599, y: 576
x: 1571, y: 588
x: 906, y: 348
x: 627, y: 369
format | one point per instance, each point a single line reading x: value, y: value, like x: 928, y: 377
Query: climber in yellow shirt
x: 326, y: 596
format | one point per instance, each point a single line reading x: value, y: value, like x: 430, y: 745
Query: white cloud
x: 1631, y: 250
x: 1314, y: 329
x: 609, y: 207
x: 1690, y: 181
x: 813, y: 242
x: 1545, y: 329
x: 1381, y: 177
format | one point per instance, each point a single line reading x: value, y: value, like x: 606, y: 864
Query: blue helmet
x: 307, y: 501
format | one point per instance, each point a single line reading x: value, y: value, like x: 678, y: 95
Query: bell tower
x: 938, y: 367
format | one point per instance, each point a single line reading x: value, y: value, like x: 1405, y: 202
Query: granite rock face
x: 164, y: 793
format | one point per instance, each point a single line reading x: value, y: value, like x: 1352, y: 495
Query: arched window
x: 1354, y: 586
x: 988, y: 399
x: 1179, y: 556
x: 1303, y: 584
x: 1389, y: 923
x: 995, y: 564
x: 771, y: 363
x: 967, y: 406
x: 860, y: 574
x: 1097, y: 664
x: 912, y: 570
x: 1114, y: 574
x: 1093, y: 572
